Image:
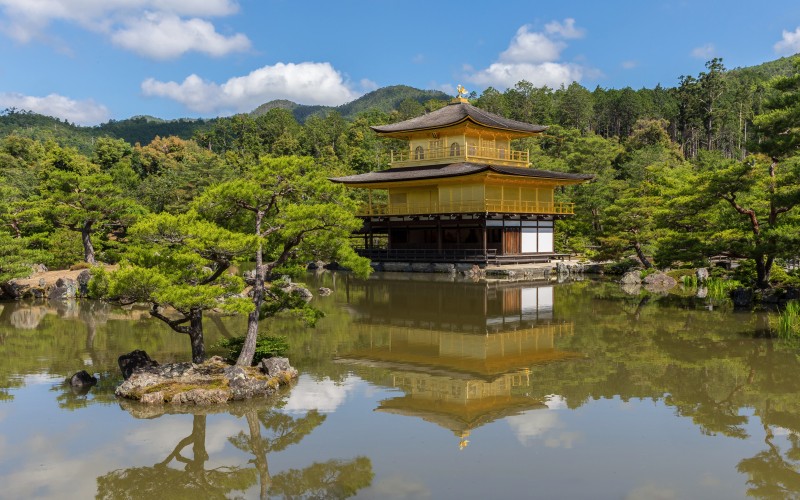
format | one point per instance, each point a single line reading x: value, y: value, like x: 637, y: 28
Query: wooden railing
x: 428, y: 255
x: 500, y: 206
x: 471, y: 152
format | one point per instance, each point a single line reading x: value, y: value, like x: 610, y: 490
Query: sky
x: 90, y: 61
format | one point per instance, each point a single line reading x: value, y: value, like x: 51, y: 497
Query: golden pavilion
x: 460, y: 193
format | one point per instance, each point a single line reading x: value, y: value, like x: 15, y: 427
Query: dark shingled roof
x: 455, y: 113
x: 454, y: 170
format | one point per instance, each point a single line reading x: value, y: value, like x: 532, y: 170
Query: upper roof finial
x: 462, y: 93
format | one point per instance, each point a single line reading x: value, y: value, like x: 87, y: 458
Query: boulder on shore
x: 632, y: 278
x: 133, y: 361
x: 659, y: 282
x: 213, y: 382
x: 742, y: 297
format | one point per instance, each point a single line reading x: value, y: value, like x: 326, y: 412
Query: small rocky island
x: 214, y: 381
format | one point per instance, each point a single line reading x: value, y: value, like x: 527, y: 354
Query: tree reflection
x: 161, y: 480
x: 184, y: 473
x: 331, y: 479
x: 774, y: 473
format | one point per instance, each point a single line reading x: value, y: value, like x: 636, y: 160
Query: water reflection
x: 191, y: 479
x: 638, y: 396
x: 189, y: 471
x: 460, y: 352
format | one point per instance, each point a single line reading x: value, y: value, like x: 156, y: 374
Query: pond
x: 419, y: 387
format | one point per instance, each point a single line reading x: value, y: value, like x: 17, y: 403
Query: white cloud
x: 324, y: 396
x: 566, y: 29
x: 706, y: 51
x: 543, y: 425
x: 86, y: 112
x: 368, y: 85
x: 505, y: 75
x: 629, y: 64
x: 527, y: 47
x: 304, y: 83
x: 790, y: 42
x: 160, y: 29
x: 167, y: 36
x: 533, y: 56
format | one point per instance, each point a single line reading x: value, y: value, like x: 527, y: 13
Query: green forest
x: 683, y: 174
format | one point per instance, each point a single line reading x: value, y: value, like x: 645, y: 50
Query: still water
x: 419, y: 387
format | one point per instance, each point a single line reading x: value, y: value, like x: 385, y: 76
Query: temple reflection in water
x: 460, y: 351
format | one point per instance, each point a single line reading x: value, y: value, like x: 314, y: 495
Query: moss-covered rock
x: 212, y: 382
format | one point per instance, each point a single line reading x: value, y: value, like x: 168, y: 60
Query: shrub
x: 98, y: 284
x: 266, y: 347
x: 621, y: 267
x: 788, y: 323
x: 779, y: 276
x: 720, y: 289
x: 61, y: 248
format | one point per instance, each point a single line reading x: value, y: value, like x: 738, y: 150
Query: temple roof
x: 455, y: 113
x: 454, y: 170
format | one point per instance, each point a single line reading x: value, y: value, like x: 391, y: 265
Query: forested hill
x: 693, y: 120
x: 143, y: 129
x: 139, y: 129
x: 386, y: 99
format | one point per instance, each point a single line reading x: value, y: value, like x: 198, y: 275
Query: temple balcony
x: 472, y: 153
x: 494, y: 206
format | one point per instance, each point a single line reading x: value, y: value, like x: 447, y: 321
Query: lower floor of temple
x: 476, y: 238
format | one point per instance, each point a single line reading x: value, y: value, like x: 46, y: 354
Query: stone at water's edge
x: 742, y: 297
x: 82, y: 379
x: 273, y: 367
x: 632, y: 278
x: 212, y: 382
x: 133, y: 361
x: 83, y: 283
x: 702, y: 275
x: 659, y: 282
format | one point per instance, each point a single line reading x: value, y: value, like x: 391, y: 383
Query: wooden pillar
x: 439, y: 235
x: 483, y: 236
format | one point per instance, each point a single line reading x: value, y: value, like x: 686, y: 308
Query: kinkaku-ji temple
x: 460, y: 352
x: 459, y: 193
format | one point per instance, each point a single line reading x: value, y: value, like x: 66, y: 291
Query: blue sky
x: 89, y: 61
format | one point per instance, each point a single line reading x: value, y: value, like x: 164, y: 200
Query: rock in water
x: 82, y: 379
x: 742, y: 297
x: 274, y: 366
x: 632, y: 278
x: 702, y: 275
x: 134, y: 360
x: 659, y: 282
